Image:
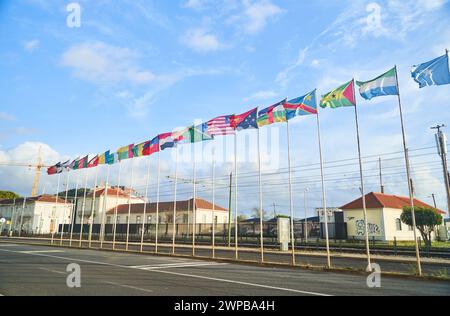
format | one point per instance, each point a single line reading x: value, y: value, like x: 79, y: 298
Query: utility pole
x: 381, y: 176
x: 229, y: 210
x: 441, y: 142
x: 434, y: 200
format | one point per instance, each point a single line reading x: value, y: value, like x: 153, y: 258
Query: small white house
x: 35, y: 215
x: 383, y: 216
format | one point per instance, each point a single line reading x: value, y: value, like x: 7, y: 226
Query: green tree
x: 256, y: 213
x: 8, y: 195
x: 426, y: 221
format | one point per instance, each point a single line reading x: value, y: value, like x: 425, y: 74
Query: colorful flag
x: 138, y: 150
x: 93, y: 162
x: 81, y: 163
x: 66, y: 166
x: 192, y: 134
x: 273, y: 114
x: 221, y: 126
x: 166, y: 140
x: 340, y: 97
x: 305, y: 105
x: 55, y: 169
x: 112, y: 158
x: 246, y: 120
x: 151, y: 147
x: 125, y: 152
x: 386, y: 84
x: 435, y: 72
x: 102, y: 158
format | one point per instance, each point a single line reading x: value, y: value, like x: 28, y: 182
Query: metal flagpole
x: 291, y: 202
x: 91, y: 219
x: 74, y: 210
x: 56, y: 208
x: 65, y: 203
x: 324, y: 198
x: 214, y: 198
x: 117, y: 205
x: 408, y: 174
x: 83, y: 208
x: 174, y: 216
x: 236, y: 224
x: 157, y: 201
x: 261, y: 219
x: 105, y: 205
x: 147, y: 181
x: 13, y: 212
x: 366, y: 224
x: 21, y: 216
x: 129, y: 205
x: 306, y: 215
x: 194, y: 203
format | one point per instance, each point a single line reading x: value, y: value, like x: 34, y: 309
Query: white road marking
x: 175, y: 273
x: 41, y: 251
x: 190, y: 265
x: 129, y: 287
x: 53, y: 271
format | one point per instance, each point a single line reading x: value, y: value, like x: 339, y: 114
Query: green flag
x: 340, y: 97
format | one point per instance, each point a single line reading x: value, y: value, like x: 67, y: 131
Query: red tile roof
x: 42, y: 198
x: 111, y: 192
x: 379, y: 200
x: 166, y: 207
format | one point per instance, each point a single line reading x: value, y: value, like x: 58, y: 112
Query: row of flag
x: 434, y: 72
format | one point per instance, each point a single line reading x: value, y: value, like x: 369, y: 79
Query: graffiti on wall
x: 374, y: 229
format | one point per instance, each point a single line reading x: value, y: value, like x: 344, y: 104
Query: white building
x: 102, y: 199
x: 35, y: 215
x: 184, y: 213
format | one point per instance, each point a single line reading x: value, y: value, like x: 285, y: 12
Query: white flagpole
x: 147, y: 181
x: 74, y: 210
x: 408, y: 174
x: 157, y: 201
x: 194, y: 202
x: 291, y: 203
x: 129, y: 205
x: 117, y: 205
x: 21, y: 216
x: 105, y: 204
x: 213, y: 198
x: 12, y: 220
x: 369, y: 265
x: 324, y: 198
x: 91, y: 219
x: 83, y: 207
x: 236, y: 224
x: 54, y: 216
x: 261, y: 219
x: 174, y: 217
x: 65, y: 202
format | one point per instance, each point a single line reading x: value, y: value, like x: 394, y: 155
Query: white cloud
x: 6, y: 117
x: 101, y: 63
x: 31, y: 46
x: 20, y: 178
x: 194, y: 4
x: 255, y: 15
x: 201, y: 40
x: 261, y: 95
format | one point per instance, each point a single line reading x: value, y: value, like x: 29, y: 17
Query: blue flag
x: 435, y: 72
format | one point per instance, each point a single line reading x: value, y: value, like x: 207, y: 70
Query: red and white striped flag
x: 221, y: 126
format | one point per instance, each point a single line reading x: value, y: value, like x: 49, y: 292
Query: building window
x: 204, y: 219
x: 138, y: 219
x: 149, y: 219
x: 108, y: 220
x: 398, y: 224
x: 118, y: 220
x: 185, y: 218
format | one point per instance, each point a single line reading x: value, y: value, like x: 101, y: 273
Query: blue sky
x: 138, y: 68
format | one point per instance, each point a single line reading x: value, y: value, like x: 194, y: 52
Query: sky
x: 134, y: 69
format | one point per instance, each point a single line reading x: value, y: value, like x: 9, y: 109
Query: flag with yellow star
x: 340, y: 97
x: 305, y: 105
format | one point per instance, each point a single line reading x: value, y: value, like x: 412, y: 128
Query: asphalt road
x: 392, y: 264
x: 41, y: 270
